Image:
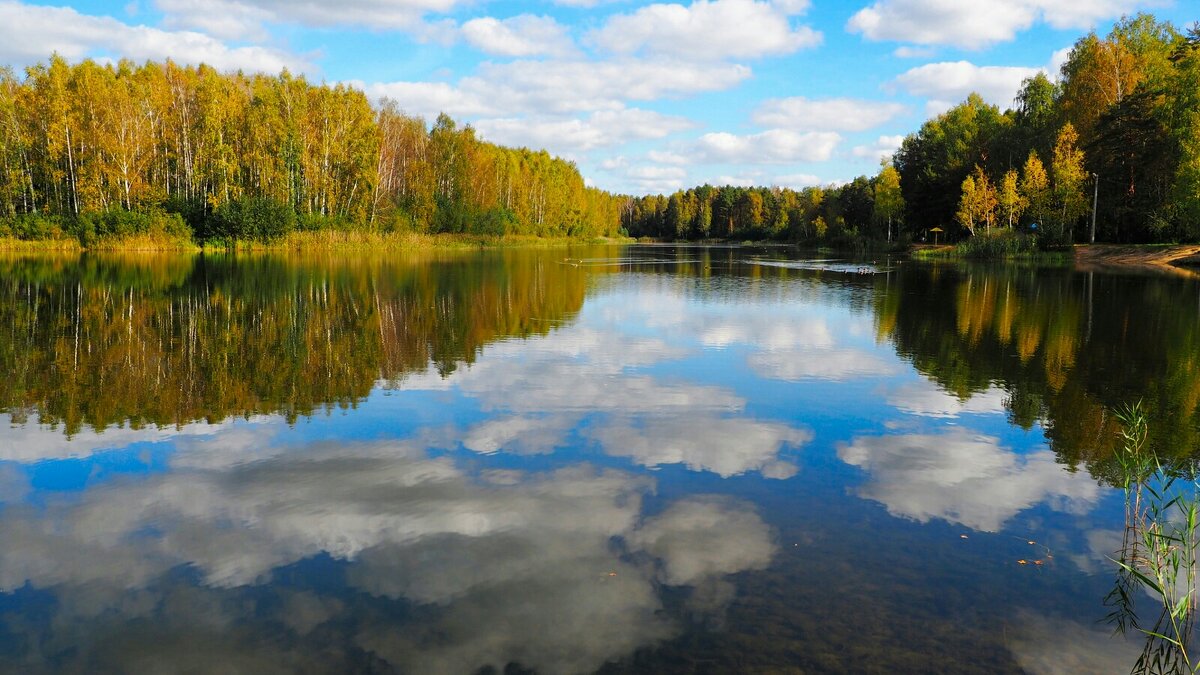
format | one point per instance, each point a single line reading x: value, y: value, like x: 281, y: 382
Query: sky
x: 645, y: 97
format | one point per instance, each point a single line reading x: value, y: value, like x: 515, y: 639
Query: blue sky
x: 645, y: 97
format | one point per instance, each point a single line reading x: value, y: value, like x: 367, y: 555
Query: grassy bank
x: 995, y: 245
x: 322, y: 240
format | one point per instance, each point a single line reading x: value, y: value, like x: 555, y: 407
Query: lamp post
x: 1095, y: 201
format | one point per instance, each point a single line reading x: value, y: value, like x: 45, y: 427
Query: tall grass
x: 1158, y: 553
x: 998, y: 244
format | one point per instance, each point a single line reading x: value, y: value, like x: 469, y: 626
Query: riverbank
x: 321, y: 240
x: 1176, y: 259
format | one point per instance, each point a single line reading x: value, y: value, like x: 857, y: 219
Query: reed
x: 1158, y: 553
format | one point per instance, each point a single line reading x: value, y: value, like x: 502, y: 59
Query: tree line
x: 1118, y: 129
x: 93, y: 150
x: 864, y: 208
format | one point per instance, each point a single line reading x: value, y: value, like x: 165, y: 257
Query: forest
x: 1118, y: 128
x: 95, y: 152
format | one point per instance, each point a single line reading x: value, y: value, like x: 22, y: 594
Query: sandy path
x: 1178, y: 260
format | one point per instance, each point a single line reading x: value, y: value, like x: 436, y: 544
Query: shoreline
x: 1174, y: 259
x: 317, y: 241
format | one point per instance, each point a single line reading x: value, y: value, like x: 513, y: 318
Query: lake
x: 618, y: 459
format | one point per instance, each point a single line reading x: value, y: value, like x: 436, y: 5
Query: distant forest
x: 94, y: 151
x: 1125, y: 109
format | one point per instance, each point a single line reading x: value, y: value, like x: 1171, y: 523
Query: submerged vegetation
x: 168, y: 155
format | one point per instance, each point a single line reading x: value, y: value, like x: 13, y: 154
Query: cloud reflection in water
x: 963, y: 477
x: 559, y: 571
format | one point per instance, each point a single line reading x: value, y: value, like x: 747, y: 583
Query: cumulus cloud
x: 774, y: 146
x: 947, y: 83
x: 559, y: 87
x: 518, y: 36
x: 962, y: 477
x: 882, y: 148
x: 378, y: 14
x: 975, y: 25
x: 32, y: 32
x: 600, y: 129
x: 707, y: 30
x: 833, y: 114
x: 656, y: 179
x: 907, y: 52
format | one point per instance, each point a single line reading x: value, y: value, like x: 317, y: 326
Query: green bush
x: 34, y: 227
x: 96, y: 228
x: 251, y: 219
x: 997, y: 244
x: 498, y: 221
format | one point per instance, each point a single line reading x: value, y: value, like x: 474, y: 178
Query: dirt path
x: 1181, y: 260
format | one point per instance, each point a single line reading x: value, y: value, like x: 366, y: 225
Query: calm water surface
x: 641, y: 459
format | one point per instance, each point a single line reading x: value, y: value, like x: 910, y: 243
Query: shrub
x: 997, y: 244
x: 33, y: 227
x: 251, y: 219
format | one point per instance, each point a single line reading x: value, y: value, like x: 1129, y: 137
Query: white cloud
x: 832, y: 114
x: 220, y: 18
x: 949, y: 82
x: 559, y: 87
x: 978, y: 24
x: 600, y: 129
x: 792, y: 6
x: 667, y: 157
x: 524, y: 35
x: 377, y: 14
x: 964, y: 478
x: 797, y: 181
x: 656, y: 179
x: 707, y: 30
x: 748, y: 179
x: 29, y: 33
x: 882, y: 148
x: 769, y: 147
x: 428, y: 99
x: 907, y: 52
x: 614, y: 163
x: 1057, y: 59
